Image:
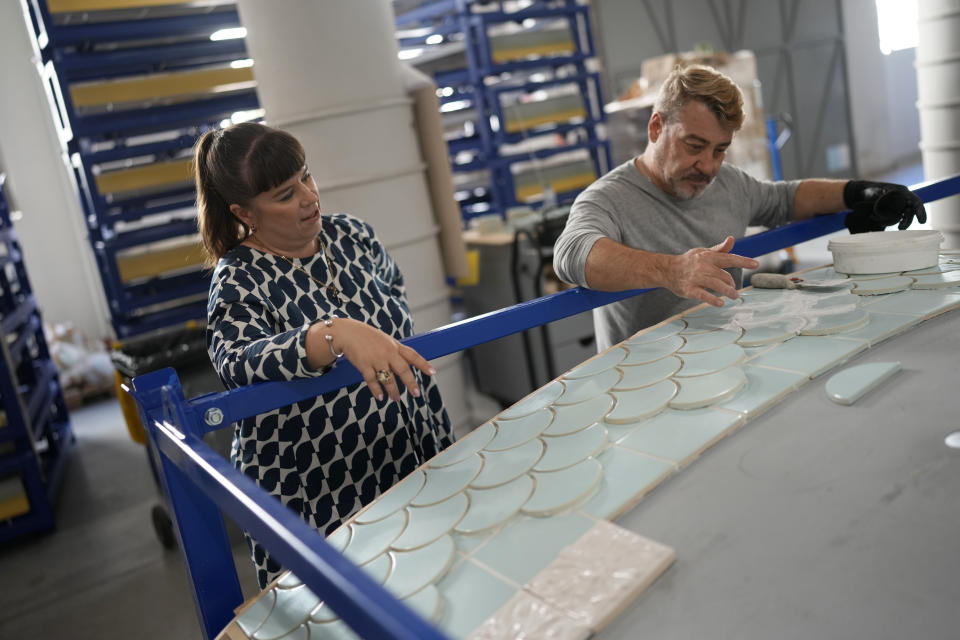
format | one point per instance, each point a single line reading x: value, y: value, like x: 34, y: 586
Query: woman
x: 294, y: 290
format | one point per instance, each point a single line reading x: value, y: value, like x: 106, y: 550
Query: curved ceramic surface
x: 649, y: 351
x: 503, y: 466
x: 558, y: 490
x: 539, y: 399
x: 707, y: 341
x: 465, y: 446
x: 648, y: 374
x: 671, y: 328
x: 582, y: 389
x: 395, y: 499
x: 703, y: 391
x: 491, y: 507
x: 444, y: 482
x: 511, y: 433
x: 426, y: 524
x: 880, y: 286
x: 574, y: 417
x: 414, y: 570
x: 568, y: 450
x: 822, y: 325
x: 636, y: 404
x: 600, y: 363
x: 704, y: 362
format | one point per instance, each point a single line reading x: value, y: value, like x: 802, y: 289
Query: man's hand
x: 698, y: 271
x: 877, y: 205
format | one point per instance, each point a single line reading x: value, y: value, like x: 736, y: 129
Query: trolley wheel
x: 163, y: 527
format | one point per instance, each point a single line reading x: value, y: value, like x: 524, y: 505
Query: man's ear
x: 654, y: 126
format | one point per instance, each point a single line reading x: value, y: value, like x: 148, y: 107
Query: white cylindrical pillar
x: 327, y: 72
x: 938, y: 86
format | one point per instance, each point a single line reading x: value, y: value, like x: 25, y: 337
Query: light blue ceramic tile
x: 681, y: 435
x: 444, y: 482
x: 881, y: 286
x: 707, y: 341
x: 753, y: 352
x: 704, y: 362
x: 539, y: 399
x: 883, y: 326
x: 821, y: 273
x: 647, y: 374
x: 465, y: 446
x: 943, y: 267
x: 292, y: 609
x: 288, y: 581
x: 627, y: 476
x: 379, y: 568
x: 370, y: 540
x: 560, y: 490
x: 398, y: 497
x: 564, y: 451
x: 254, y: 615
x: 511, y: 433
x: 820, y: 324
x: 706, y: 323
x: 414, y: 570
x: 500, y: 467
x: 490, y: 508
x: 937, y: 280
x: 426, y: 524
x: 821, y: 300
x: 810, y: 355
x: 579, y: 416
x: 582, y: 389
x: 471, y: 595
x: 764, y: 388
x: 703, y: 391
x: 849, y: 385
x: 598, y: 364
x: 916, y: 302
x: 707, y: 310
x: 617, y: 432
x: 769, y: 333
x: 300, y: 633
x: 671, y: 328
x: 427, y: 602
x: 649, y: 351
x: 340, y: 538
x: 336, y: 630
x: 527, y: 545
x: 468, y: 543
x: 637, y: 404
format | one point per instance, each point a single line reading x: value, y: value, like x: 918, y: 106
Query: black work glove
x: 874, y: 206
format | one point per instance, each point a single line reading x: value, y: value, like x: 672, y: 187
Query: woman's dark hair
x: 232, y: 166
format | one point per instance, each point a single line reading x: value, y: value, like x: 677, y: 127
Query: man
x: 669, y: 217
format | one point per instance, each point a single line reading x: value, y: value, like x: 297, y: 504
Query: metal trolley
x: 199, y: 483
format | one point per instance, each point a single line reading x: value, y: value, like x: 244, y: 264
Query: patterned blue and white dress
x: 324, y: 458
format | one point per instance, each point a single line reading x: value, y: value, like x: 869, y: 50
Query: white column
x: 327, y: 72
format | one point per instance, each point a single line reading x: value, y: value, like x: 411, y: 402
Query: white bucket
x: 885, y: 251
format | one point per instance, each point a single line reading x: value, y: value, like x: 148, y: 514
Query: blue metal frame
x: 199, y: 482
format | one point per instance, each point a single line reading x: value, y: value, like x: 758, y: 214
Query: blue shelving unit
x: 133, y: 88
x: 35, y: 433
x: 521, y: 88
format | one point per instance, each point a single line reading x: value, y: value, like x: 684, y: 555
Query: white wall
x: 58, y: 259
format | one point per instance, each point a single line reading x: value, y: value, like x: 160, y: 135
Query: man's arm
x: 612, y: 266
x: 874, y: 205
x: 818, y: 196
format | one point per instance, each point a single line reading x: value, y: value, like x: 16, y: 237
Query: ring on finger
x: 383, y: 376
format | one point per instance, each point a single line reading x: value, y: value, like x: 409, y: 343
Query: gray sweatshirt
x: 625, y: 206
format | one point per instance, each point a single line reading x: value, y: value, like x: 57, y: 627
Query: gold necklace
x: 331, y: 288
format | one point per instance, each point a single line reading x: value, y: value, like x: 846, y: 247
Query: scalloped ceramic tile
x: 337, y: 630
x: 396, y: 498
x: 465, y: 446
x: 527, y: 544
x: 525, y: 616
x: 250, y: 619
x: 937, y: 280
x: 636, y: 404
x: 503, y: 466
x: 379, y: 568
x: 872, y: 276
x: 820, y: 301
x: 810, y: 355
x: 564, y: 451
x: 849, y: 385
x: 539, y: 399
x: 575, y: 417
x: 582, y: 389
x: 943, y: 267
x: 917, y: 302
x: 771, y: 332
x: 288, y: 581
x: 646, y: 352
x: 821, y: 273
x: 666, y: 330
x: 444, y: 482
x: 706, y: 341
x: 426, y: 524
x: 825, y: 324
x: 883, y: 326
x: 427, y: 602
x: 414, y: 570
x: 703, y: 391
x: 627, y: 477
x: 647, y: 374
x: 297, y: 632
x: 881, y: 285
x: 490, y: 508
x: 598, y: 364
x: 705, y: 362
x: 559, y: 490
x: 597, y: 576
x: 511, y: 433
x: 764, y: 388
x: 705, y: 309
x: 706, y: 324
x: 680, y: 436
x: 340, y: 538
x: 370, y: 540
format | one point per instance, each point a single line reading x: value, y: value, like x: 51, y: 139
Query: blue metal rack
x: 484, y: 79
x: 36, y: 438
x: 199, y: 483
x: 84, y: 50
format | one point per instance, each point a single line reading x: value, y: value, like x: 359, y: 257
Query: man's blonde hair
x: 703, y: 83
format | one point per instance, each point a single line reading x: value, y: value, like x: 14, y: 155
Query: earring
x: 253, y: 229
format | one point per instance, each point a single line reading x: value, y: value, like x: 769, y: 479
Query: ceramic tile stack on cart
x: 133, y: 84
x: 35, y: 434
x: 521, y: 102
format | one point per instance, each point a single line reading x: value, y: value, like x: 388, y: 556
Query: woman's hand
x: 370, y: 351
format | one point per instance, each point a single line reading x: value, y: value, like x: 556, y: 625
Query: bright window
x: 897, y: 24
